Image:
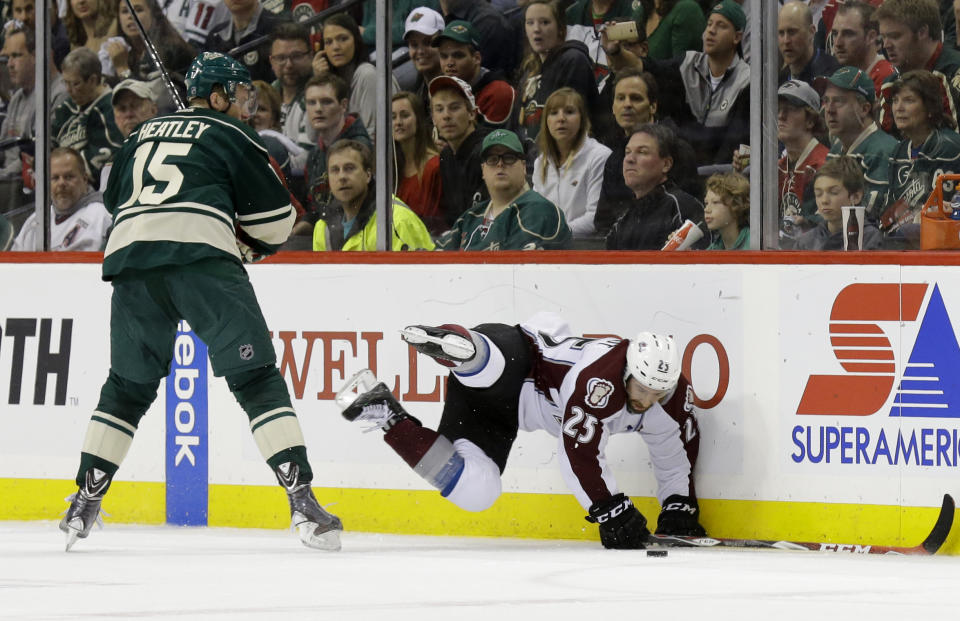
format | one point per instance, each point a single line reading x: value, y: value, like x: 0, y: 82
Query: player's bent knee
x: 479, y: 484
x: 259, y: 390
x: 125, y: 399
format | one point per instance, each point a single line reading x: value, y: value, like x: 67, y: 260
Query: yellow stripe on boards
x: 537, y: 516
x: 39, y: 499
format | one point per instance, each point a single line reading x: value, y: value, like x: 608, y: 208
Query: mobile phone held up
x: 622, y: 31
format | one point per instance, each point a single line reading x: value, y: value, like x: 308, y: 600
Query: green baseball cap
x: 460, y: 31
x: 733, y: 12
x: 849, y: 79
x: 502, y: 138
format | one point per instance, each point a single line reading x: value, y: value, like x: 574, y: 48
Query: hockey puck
x: 657, y: 553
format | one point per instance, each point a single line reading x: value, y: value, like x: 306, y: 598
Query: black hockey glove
x: 679, y: 517
x: 622, y: 527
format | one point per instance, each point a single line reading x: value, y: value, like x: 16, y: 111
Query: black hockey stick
x: 155, y: 57
x: 929, y: 546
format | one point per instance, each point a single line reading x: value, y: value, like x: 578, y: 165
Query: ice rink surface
x: 139, y: 572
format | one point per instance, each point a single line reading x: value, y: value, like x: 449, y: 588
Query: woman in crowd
x: 569, y: 170
x: 344, y: 54
x: 266, y: 120
x: 551, y: 63
x: 838, y: 183
x: 726, y: 211
x: 418, y: 164
x: 127, y: 54
x: 930, y: 146
x: 672, y: 26
x: 267, y: 116
x: 90, y: 22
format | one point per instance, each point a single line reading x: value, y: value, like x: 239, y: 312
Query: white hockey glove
x: 248, y: 254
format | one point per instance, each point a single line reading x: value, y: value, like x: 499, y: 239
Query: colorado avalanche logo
x: 598, y: 392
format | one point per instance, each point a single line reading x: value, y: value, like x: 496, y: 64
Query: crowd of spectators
x: 523, y: 124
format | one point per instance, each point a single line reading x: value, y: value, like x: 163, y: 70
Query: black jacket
x: 461, y: 177
x: 616, y: 197
x: 499, y: 49
x: 650, y: 220
x: 569, y: 65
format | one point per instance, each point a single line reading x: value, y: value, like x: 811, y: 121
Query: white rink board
x: 771, y: 322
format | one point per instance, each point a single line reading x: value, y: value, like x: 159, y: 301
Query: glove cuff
x: 604, y: 510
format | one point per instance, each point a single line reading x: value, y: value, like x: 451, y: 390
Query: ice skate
x: 373, y: 403
x: 84, y: 510
x: 317, y: 528
x: 447, y: 344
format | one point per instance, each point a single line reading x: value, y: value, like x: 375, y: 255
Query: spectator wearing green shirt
x: 726, y: 211
x: 515, y: 217
x: 673, y: 27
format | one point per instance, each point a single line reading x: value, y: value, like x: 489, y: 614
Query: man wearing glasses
x: 291, y: 61
x: 515, y: 217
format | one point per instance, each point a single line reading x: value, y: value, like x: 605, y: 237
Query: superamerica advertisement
x: 875, y: 377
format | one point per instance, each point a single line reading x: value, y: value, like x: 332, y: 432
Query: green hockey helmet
x: 211, y: 68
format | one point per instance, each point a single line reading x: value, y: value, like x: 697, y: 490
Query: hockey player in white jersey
x: 537, y: 375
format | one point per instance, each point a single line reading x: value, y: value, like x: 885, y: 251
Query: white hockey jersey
x: 86, y: 229
x: 576, y: 393
x: 194, y: 19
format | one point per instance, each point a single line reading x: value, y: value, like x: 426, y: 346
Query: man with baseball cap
x: 422, y: 25
x: 515, y: 217
x: 798, y: 125
x: 711, y: 88
x: 454, y: 113
x: 460, y: 57
x: 133, y: 103
x: 847, y: 99
x: 498, y: 45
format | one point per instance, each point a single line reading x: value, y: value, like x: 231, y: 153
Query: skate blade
x: 72, y: 536
x: 328, y: 541
x: 452, y: 344
x: 360, y: 382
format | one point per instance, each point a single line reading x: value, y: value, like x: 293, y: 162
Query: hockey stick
x: 929, y: 546
x: 155, y: 57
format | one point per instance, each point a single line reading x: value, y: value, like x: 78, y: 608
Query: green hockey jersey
x: 191, y: 185
x: 530, y: 222
x: 872, y: 150
x: 92, y: 131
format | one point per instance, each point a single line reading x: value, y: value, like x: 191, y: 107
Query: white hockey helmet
x: 653, y: 360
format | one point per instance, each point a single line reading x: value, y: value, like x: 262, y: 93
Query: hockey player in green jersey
x: 192, y: 195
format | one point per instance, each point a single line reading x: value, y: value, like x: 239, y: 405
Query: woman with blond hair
x: 90, y: 22
x: 726, y: 211
x: 569, y: 169
x: 266, y: 121
x: 418, y: 163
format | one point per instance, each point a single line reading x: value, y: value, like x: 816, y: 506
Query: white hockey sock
x: 479, y: 485
x: 485, y: 368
